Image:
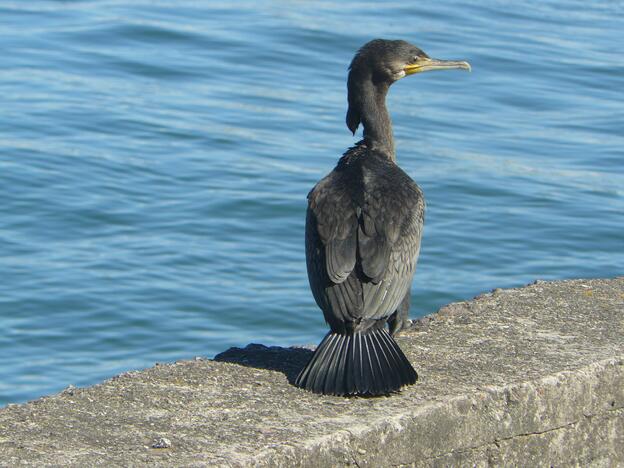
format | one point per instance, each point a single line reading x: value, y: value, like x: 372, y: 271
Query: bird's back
x: 363, y: 231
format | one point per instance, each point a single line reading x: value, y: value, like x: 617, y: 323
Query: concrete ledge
x: 530, y: 376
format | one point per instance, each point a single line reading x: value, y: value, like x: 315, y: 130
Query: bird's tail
x: 362, y: 363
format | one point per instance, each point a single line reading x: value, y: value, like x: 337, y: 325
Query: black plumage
x: 363, y: 229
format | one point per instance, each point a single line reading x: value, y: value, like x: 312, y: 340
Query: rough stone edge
x: 471, y: 427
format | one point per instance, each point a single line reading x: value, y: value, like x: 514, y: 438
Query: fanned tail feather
x: 368, y: 363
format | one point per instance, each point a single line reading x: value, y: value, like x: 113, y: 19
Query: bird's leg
x: 399, y: 320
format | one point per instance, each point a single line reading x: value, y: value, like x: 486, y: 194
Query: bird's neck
x: 376, y: 119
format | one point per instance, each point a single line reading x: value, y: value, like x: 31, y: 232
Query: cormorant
x: 363, y: 228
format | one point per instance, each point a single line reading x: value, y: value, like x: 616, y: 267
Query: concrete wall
x: 531, y: 376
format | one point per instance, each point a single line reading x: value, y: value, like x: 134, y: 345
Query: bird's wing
x: 389, y: 233
x: 336, y: 225
x: 331, y: 243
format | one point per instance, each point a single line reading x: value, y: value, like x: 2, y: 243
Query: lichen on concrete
x: 528, y: 376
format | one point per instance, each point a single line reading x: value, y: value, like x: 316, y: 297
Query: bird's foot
x: 397, y: 326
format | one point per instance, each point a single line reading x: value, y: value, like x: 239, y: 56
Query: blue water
x: 155, y: 157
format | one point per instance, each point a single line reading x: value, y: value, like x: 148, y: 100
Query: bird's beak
x: 427, y: 64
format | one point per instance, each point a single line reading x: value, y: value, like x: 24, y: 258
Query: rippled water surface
x: 155, y: 157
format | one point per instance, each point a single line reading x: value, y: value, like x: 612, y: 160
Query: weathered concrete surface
x: 531, y: 376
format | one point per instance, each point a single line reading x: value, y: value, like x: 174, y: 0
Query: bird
x: 364, y: 223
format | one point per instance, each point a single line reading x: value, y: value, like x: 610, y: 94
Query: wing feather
x: 363, y: 234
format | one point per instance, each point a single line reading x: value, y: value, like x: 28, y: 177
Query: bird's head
x: 388, y: 61
x: 381, y: 62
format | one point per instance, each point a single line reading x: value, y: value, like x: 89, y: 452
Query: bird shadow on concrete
x: 288, y: 361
